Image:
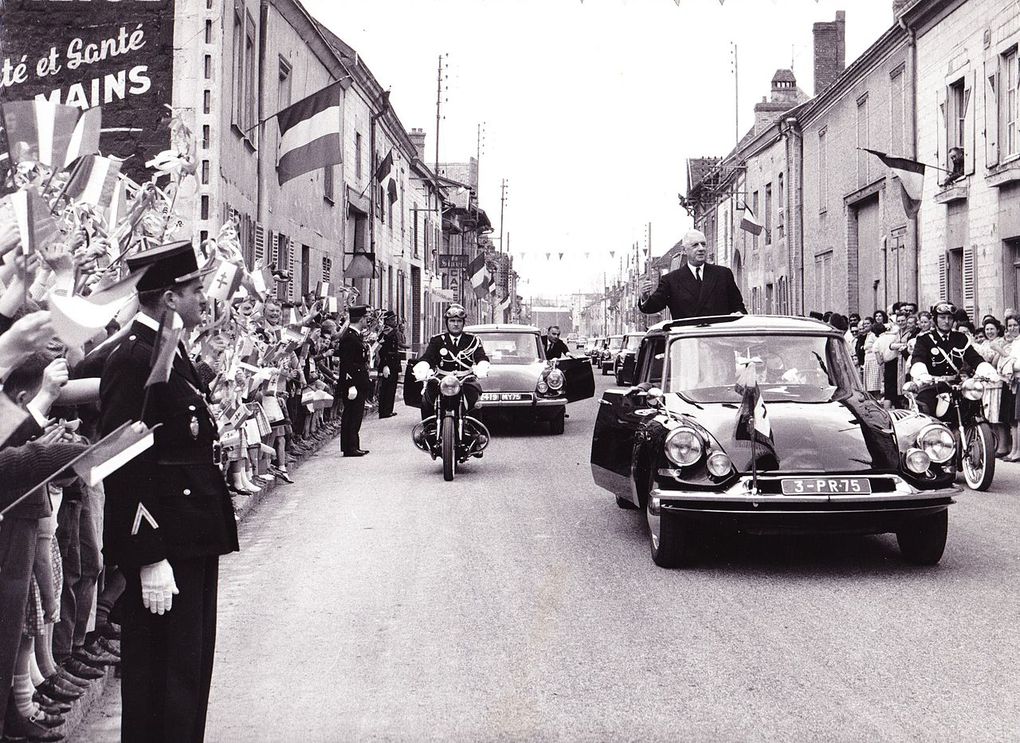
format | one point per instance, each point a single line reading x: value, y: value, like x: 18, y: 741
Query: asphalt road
x: 373, y: 601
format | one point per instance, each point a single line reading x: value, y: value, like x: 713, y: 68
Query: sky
x: 590, y: 107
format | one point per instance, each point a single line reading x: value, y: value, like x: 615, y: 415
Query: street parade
x: 297, y: 445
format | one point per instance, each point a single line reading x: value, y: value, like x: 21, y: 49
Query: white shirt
x: 695, y: 272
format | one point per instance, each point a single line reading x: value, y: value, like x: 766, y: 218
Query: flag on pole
x: 39, y: 131
x: 479, y: 275
x: 911, y: 176
x: 749, y: 223
x: 94, y: 180
x: 385, y: 166
x: 224, y: 281
x: 310, y: 134
x: 170, y: 331
x: 113, y: 452
x: 36, y: 225
x: 491, y: 284
x: 753, y: 422
x: 85, y: 137
x: 322, y: 289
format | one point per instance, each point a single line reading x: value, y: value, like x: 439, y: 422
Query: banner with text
x: 118, y: 54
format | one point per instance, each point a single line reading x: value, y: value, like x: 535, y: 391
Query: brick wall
x: 830, y: 50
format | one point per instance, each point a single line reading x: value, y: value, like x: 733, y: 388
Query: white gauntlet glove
x: 352, y: 392
x: 386, y: 372
x: 158, y: 587
x: 421, y: 371
x: 481, y: 369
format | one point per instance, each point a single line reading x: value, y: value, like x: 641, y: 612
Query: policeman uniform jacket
x: 679, y: 290
x: 170, y: 501
x: 353, y: 353
x: 554, y: 347
x: 448, y: 353
x: 945, y: 354
x: 389, y: 350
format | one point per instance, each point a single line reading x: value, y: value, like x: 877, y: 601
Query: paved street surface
x: 374, y: 601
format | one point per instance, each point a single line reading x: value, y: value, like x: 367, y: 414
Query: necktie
x: 697, y: 273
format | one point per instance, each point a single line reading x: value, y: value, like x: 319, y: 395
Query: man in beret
x: 354, y: 382
x: 168, y: 514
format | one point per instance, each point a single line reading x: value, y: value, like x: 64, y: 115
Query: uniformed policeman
x: 944, y: 352
x: 354, y: 381
x: 168, y: 514
x: 452, y: 351
x: 389, y: 364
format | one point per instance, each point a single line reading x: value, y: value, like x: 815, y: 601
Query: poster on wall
x: 117, y: 54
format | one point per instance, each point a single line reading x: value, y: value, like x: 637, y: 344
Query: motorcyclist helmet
x: 943, y: 308
x: 455, y: 312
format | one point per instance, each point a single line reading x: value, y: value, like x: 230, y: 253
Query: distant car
x: 613, y: 346
x: 523, y: 383
x: 581, y: 343
x: 623, y: 366
x: 676, y: 444
x: 594, y: 350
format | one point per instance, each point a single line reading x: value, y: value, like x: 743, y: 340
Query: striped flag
x: 35, y: 223
x: 94, y: 180
x: 479, y: 276
x: 85, y: 137
x: 170, y: 331
x: 43, y: 132
x: 310, y: 134
x: 753, y: 422
x: 911, y: 177
x: 224, y: 281
x: 322, y: 289
x: 749, y: 223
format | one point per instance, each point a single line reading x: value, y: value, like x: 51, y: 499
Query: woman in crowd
x: 992, y: 347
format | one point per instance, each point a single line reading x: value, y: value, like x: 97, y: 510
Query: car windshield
x: 789, y: 367
x: 615, y: 343
x: 633, y: 342
x: 511, y: 348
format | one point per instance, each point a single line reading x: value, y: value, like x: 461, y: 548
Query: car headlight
x: 450, y: 385
x: 917, y: 461
x: 684, y: 447
x: 719, y: 463
x: 542, y: 386
x: 937, y: 442
x: 972, y: 389
x: 555, y: 379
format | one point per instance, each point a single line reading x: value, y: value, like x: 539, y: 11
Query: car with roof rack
x: 798, y: 447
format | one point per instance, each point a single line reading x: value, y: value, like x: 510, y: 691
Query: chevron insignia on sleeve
x: 142, y: 513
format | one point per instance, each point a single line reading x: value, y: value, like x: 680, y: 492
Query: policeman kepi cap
x: 357, y: 312
x: 167, y: 266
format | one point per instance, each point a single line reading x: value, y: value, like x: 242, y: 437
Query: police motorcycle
x: 450, y: 433
x: 957, y: 403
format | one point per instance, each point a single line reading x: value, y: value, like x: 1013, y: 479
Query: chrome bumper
x: 540, y: 403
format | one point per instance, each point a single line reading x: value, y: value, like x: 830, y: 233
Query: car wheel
x: 669, y: 537
x: 625, y: 503
x: 923, y: 540
x: 557, y: 423
x: 619, y: 381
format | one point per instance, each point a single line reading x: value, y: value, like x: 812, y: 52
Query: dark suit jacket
x: 353, y: 353
x: 679, y: 291
x: 556, y: 349
x: 177, y: 481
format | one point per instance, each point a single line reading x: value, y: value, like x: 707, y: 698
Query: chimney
x: 417, y: 137
x: 830, y: 50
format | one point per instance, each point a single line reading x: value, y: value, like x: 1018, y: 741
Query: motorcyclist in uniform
x: 452, y: 351
x: 944, y: 352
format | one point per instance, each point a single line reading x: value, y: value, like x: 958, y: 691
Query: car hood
x: 854, y: 434
x: 513, y: 377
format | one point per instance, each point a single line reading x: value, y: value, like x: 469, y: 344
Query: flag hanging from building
x: 911, y: 176
x: 749, y: 223
x: 753, y: 422
x: 310, y: 134
x: 386, y: 176
x: 479, y: 275
x: 491, y: 284
x: 94, y: 180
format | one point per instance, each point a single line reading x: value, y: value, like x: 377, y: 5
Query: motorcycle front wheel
x: 978, y: 460
x: 448, y: 433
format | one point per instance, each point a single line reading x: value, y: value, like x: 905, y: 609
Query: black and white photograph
x: 509, y: 370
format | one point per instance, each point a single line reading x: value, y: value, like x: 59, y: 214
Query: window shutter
x: 292, y: 283
x: 274, y: 256
x: 943, y: 278
x: 968, y: 281
x: 942, y: 136
x: 992, y: 113
x: 260, y: 244
x: 969, y: 128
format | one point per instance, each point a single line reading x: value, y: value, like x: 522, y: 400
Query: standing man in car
x: 552, y: 344
x: 696, y: 289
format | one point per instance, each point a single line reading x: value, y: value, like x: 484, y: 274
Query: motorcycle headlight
x: 684, y: 447
x: 555, y: 379
x: 937, y: 442
x: 917, y: 461
x: 719, y: 463
x: 972, y: 389
x: 450, y: 385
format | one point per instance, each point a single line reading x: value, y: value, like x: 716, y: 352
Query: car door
x: 579, y: 381
x: 412, y: 388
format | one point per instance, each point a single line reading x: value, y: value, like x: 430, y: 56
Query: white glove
x: 986, y: 371
x: 352, y: 392
x: 386, y: 372
x: 920, y: 374
x: 158, y: 587
x: 481, y: 369
x: 421, y: 371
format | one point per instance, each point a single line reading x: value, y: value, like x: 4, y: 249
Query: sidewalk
x: 109, y: 727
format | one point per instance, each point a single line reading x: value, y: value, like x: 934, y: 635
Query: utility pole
x: 736, y: 97
x: 478, y: 160
x: 441, y: 89
x: 502, y: 204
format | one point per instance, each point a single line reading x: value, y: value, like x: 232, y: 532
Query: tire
x: 978, y: 456
x: 449, y: 437
x: 924, y: 540
x: 556, y: 424
x: 671, y: 546
x: 619, y: 382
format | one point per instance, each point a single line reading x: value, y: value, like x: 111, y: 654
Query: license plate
x: 505, y: 396
x: 826, y: 485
